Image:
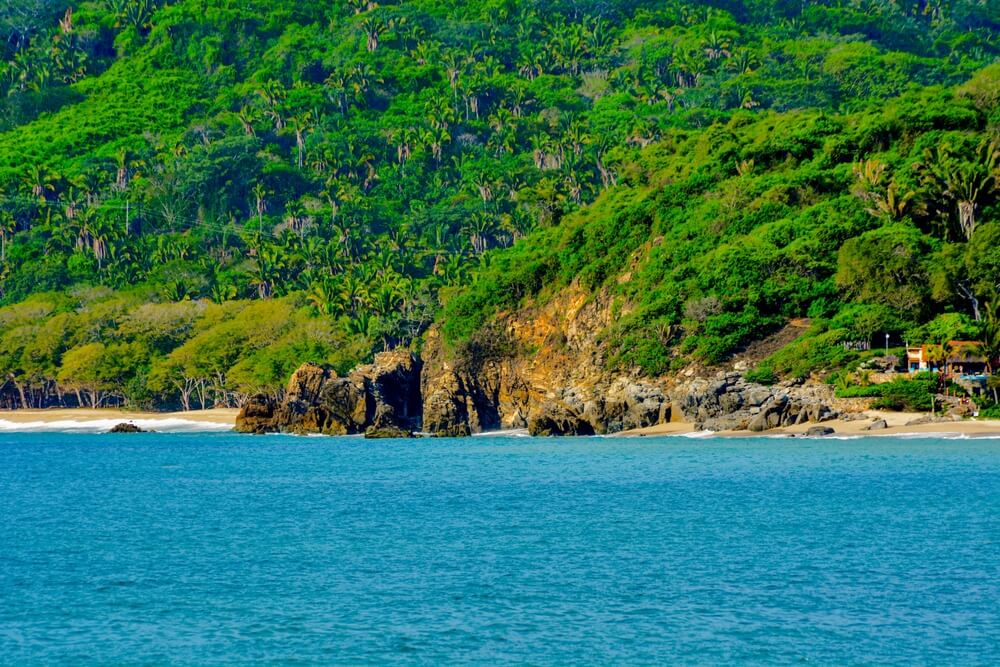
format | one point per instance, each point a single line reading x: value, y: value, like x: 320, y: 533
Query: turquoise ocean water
x: 225, y: 549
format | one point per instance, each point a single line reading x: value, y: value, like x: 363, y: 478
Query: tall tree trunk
x: 967, y: 218
x: 21, y: 394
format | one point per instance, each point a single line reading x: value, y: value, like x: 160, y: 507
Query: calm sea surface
x: 207, y: 549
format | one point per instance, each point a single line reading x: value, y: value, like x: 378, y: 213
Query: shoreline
x: 13, y: 421
x: 896, y: 426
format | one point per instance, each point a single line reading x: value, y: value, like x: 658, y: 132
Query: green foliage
x: 761, y: 374
x: 105, y: 348
x: 910, y: 394
x: 817, y: 351
x: 353, y: 166
x: 857, y: 391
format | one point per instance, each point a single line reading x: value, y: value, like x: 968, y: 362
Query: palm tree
x: 690, y: 68
x: 273, y: 95
x: 990, y: 335
x: 362, y: 78
x: 101, y: 230
x: 125, y: 169
x: 40, y: 182
x: 270, y: 267
x: 716, y: 46
x: 300, y: 124
x: 260, y: 194
x: 337, y: 86
x: 454, y: 67
x: 479, y: 230
x: 325, y: 297
x: 8, y: 225
x: 361, y: 6
x: 247, y: 117
x: 373, y: 27
x: 743, y: 62
x: 965, y: 183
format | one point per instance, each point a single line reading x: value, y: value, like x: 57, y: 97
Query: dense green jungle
x: 197, y: 196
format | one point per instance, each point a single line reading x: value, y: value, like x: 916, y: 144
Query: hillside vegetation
x: 197, y: 196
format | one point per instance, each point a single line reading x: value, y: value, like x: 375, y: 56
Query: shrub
x: 761, y: 375
x: 910, y: 394
x: 854, y: 391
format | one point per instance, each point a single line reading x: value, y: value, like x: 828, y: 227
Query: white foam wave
x: 698, y: 434
x: 509, y: 433
x: 165, y: 425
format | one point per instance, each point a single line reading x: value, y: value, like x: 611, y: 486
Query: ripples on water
x: 220, y: 548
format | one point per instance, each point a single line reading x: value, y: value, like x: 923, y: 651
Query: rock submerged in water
x: 387, y: 432
x: 126, y: 427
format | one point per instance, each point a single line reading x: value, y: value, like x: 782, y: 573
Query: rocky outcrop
x: 554, y: 418
x: 728, y: 402
x: 382, y: 395
x: 543, y: 369
x: 126, y: 427
x: 386, y: 432
x: 877, y: 425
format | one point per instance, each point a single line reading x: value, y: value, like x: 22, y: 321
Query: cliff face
x: 381, y: 398
x: 543, y: 369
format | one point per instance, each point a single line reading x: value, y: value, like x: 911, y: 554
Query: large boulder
x: 383, y: 394
x: 257, y: 415
x: 387, y: 432
x: 729, y: 402
x: 627, y: 405
x: 126, y: 427
x: 446, y: 406
x: 877, y: 425
x: 554, y: 418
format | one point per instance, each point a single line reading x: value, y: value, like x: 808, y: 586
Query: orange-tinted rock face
x: 542, y: 368
x: 382, y: 394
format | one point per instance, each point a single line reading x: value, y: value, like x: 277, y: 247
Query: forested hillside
x: 197, y: 196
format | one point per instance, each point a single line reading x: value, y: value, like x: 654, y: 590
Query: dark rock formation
x: 386, y: 432
x: 558, y: 419
x: 487, y: 387
x: 126, y: 427
x: 932, y: 419
x: 728, y: 402
x: 562, y: 386
x: 384, y: 394
x: 877, y: 425
x: 819, y: 431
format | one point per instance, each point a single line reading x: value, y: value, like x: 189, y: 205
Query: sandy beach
x: 896, y: 422
x: 84, y: 417
x: 221, y: 417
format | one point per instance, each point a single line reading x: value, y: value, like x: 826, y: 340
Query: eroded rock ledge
x: 398, y: 394
x: 379, y: 399
x: 727, y: 402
